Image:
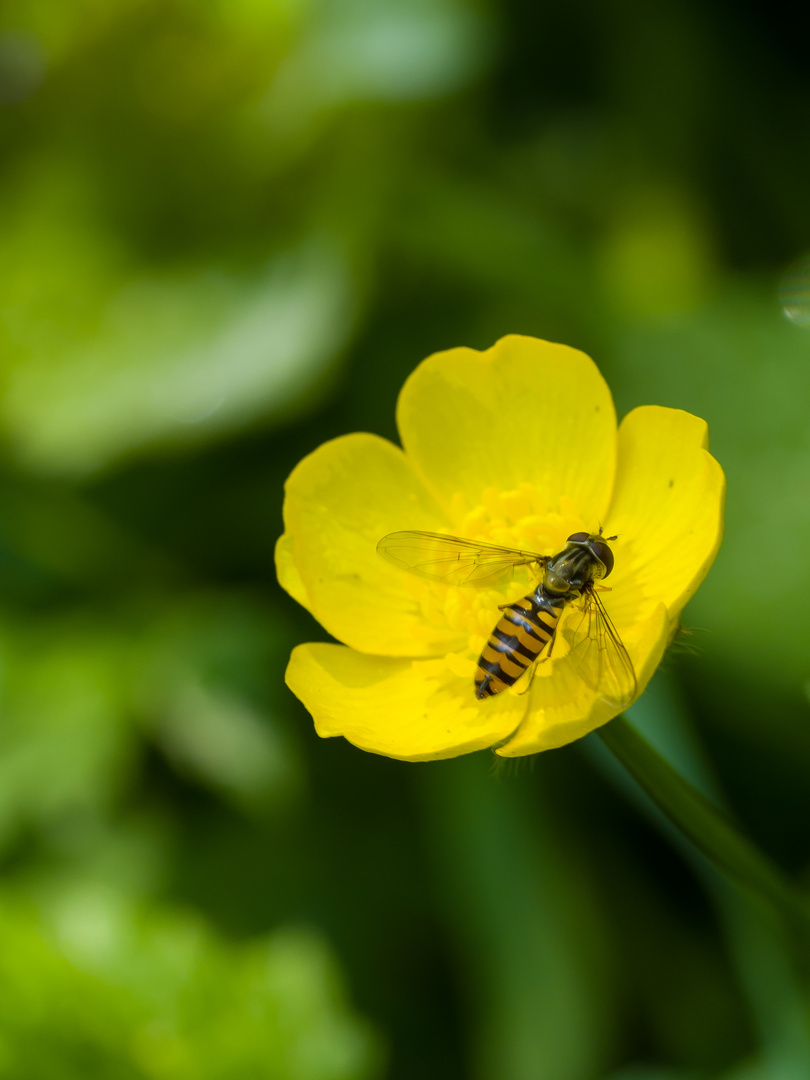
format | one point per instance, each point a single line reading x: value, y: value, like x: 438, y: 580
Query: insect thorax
x: 568, y: 573
x: 552, y: 601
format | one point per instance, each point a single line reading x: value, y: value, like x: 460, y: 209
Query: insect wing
x: 599, y: 657
x: 452, y: 559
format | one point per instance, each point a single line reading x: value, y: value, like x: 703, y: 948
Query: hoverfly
x: 526, y: 631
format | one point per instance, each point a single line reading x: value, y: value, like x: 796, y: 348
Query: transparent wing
x: 597, y: 652
x: 453, y: 560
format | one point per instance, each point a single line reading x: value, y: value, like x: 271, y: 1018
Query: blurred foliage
x: 96, y: 988
x: 228, y: 231
x: 184, y: 245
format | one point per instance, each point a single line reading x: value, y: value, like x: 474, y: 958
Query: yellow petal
x: 523, y: 411
x: 287, y: 571
x: 340, y: 500
x: 415, y: 710
x: 667, y: 508
x: 562, y: 706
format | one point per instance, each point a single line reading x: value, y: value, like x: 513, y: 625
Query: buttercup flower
x: 515, y: 446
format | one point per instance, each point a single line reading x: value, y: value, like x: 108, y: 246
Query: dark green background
x: 228, y: 231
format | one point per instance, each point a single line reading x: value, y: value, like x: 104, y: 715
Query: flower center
x: 518, y: 519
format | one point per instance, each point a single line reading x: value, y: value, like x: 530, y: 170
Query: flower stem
x: 708, y: 828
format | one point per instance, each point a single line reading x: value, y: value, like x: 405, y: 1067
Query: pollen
x: 521, y: 518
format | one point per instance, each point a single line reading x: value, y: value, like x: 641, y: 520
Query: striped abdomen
x: 522, y: 632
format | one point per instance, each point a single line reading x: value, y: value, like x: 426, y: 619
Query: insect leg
x: 532, y: 670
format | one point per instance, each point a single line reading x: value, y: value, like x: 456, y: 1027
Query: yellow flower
x: 516, y: 446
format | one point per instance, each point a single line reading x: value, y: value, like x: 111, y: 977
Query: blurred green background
x: 228, y: 230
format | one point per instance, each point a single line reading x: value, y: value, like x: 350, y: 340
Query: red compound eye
x: 603, y: 554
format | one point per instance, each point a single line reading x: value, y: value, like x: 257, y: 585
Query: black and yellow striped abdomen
x: 522, y: 632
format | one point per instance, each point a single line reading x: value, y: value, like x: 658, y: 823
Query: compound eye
x: 603, y: 554
x: 578, y: 538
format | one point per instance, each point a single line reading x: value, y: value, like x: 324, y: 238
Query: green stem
x: 708, y: 828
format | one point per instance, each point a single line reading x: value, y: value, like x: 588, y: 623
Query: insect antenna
x: 608, y: 538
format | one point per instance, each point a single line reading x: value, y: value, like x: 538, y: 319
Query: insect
x: 527, y: 629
